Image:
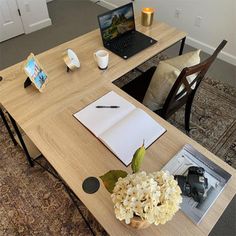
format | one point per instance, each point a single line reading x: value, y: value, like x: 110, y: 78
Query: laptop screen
x: 117, y: 22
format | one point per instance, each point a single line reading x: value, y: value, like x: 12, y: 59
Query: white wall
x: 219, y: 21
x: 34, y: 14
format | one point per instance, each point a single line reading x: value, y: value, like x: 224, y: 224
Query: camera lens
x: 200, y: 171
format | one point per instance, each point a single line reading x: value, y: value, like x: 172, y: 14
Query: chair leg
x: 7, y: 127
x: 187, y: 118
x: 188, y: 113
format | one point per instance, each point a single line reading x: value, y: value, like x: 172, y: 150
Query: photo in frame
x: 35, y: 72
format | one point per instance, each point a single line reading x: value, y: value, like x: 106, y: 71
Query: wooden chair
x: 137, y: 88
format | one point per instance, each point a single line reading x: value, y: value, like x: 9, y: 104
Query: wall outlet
x: 178, y: 12
x: 198, y: 21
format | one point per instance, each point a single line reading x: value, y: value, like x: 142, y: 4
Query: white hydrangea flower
x: 154, y: 197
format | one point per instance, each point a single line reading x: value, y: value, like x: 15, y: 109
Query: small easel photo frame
x: 35, y: 73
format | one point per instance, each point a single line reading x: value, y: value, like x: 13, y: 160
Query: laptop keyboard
x: 124, y: 43
x: 130, y: 44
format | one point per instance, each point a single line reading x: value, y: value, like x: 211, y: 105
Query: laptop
x: 119, y: 34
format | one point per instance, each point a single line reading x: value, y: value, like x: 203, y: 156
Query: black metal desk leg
x: 7, y: 126
x: 21, y: 141
x: 182, y: 46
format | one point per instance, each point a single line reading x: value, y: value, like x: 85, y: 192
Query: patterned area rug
x: 33, y: 202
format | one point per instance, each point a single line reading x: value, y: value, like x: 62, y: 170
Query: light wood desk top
x: 65, y: 87
x: 73, y: 151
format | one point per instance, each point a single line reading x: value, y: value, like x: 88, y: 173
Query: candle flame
x: 148, y: 10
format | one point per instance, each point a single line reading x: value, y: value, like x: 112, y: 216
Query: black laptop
x: 119, y: 34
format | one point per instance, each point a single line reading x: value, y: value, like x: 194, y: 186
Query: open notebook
x: 122, y: 129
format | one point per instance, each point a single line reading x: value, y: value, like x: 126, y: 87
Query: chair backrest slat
x: 176, y: 99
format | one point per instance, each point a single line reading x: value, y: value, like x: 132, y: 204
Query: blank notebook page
x: 98, y: 120
x: 126, y: 136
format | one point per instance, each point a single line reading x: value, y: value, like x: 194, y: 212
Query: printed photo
x: 35, y: 72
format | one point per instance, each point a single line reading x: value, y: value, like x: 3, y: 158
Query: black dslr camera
x: 194, y: 184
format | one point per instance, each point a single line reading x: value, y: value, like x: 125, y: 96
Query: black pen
x: 107, y: 106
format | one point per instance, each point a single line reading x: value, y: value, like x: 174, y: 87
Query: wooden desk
x: 73, y: 151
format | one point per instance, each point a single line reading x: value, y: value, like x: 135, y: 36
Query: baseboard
x: 209, y: 49
x: 105, y: 4
x: 38, y: 25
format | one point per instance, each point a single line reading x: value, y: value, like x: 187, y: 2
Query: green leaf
x: 138, y: 159
x: 111, y: 177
